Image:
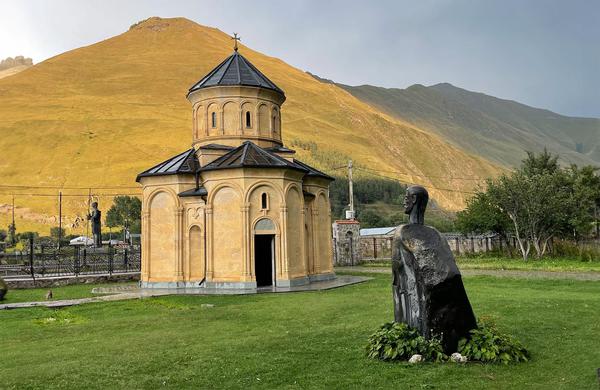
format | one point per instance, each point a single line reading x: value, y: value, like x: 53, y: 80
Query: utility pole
x: 350, y: 213
x: 59, y: 217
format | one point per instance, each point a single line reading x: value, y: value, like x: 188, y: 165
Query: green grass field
x: 299, y: 340
x: 516, y: 263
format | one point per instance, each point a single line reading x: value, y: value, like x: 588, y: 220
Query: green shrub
x: 581, y: 251
x: 398, y: 341
x: 486, y: 344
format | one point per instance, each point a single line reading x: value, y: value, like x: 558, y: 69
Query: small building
x: 346, y: 242
x: 237, y: 209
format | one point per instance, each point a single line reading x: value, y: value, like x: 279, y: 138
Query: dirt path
x: 494, y: 272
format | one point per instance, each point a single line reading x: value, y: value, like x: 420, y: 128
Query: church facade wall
x: 187, y: 241
x: 295, y: 232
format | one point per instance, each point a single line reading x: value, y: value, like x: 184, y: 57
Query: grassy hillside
x: 98, y: 115
x: 496, y: 129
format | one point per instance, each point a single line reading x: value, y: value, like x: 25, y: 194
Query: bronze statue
x: 95, y: 216
x: 427, y: 286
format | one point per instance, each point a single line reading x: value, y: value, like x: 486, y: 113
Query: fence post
x: 457, y: 245
x: 126, y: 260
x: 110, y: 259
x: 31, y: 258
x: 374, y: 248
x: 77, y: 261
x: 351, y: 252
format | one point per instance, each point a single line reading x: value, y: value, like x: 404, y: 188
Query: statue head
x: 95, y: 205
x: 415, y: 203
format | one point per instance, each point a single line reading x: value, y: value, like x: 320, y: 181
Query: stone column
x: 283, y: 212
x: 246, y: 242
x: 145, y: 245
x: 316, y: 243
x: 179, y: 244
x: 209, y: 243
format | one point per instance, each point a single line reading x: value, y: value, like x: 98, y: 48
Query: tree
x: 125, y: 212
x: 57, y: 233
x: 3, y: 235
x: 536, y: 203
x: 484, y: 215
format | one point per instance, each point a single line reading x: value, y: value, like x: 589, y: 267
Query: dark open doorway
x: 263, y: 259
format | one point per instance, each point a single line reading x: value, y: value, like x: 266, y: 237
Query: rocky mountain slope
x: 10, y: 66
x: 496, y: 129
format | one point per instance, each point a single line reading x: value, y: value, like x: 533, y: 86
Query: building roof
x: 235, y: 70
x: 313, y: 171
x: 377, y: 231
x: 185, y: 162
x: 250, y: 155
x: 200, y: 191
x: 217, y: 147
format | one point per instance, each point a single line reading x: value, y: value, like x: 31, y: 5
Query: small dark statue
x: 428, y: 291
x: 3, y: 289
x: 95, y: 216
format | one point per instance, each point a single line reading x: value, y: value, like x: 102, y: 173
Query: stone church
x: 236, y: 210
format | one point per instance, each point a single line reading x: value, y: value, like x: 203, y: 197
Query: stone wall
x: 346, y: 242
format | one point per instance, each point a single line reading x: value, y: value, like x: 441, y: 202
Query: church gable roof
x: 185, y: 162
x: 313, y: 171
x: 235, y: 70
x: 250, y: 155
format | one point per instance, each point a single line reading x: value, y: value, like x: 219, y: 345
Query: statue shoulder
x: 416, y: 231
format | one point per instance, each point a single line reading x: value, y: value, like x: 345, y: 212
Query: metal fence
x: 71, y: 261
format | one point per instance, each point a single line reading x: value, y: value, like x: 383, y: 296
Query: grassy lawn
x: 299, y: 340
x: 515, y: 263
x: 546, y: 264
x: 66, y: 292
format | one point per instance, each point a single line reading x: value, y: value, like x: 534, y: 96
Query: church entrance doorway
x: 264, y: 259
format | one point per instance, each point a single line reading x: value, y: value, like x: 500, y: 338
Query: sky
x: 543, y: 53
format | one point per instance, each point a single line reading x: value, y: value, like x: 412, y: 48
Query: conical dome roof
x: 235, y: 70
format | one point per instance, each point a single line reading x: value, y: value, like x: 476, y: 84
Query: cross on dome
x: 236, y: 39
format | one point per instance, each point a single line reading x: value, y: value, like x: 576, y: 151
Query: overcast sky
x: 543, y: 53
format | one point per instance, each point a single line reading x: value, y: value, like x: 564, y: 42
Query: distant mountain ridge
x: 10, y: 66
x: 496, y: 129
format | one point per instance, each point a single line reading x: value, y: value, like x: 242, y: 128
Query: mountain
x: 496, y: 129
x: 10, y: 66
x: 98, y: 115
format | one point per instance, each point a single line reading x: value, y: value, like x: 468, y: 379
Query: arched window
x: 214, y: 119
x: 264, y: 201
x: 275, y: 122
x: 248, y: 120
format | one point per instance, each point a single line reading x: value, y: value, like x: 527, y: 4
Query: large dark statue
x: 95, y: 216
x: 428, y: 291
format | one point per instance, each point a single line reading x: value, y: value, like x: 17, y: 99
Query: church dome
x: 235, y: 103
x: 235, y: 70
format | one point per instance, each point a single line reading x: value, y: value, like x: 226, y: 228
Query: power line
x: 65, y: 187
x: 426, y: 177
x: 435, y: 188
x: 69, y: 195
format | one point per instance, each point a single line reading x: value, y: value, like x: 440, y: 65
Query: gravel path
x: 494, y: 272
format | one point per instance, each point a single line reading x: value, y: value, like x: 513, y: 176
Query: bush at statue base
x: 398, y: 341
x: 488, y: 345
x: 395, y: 341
